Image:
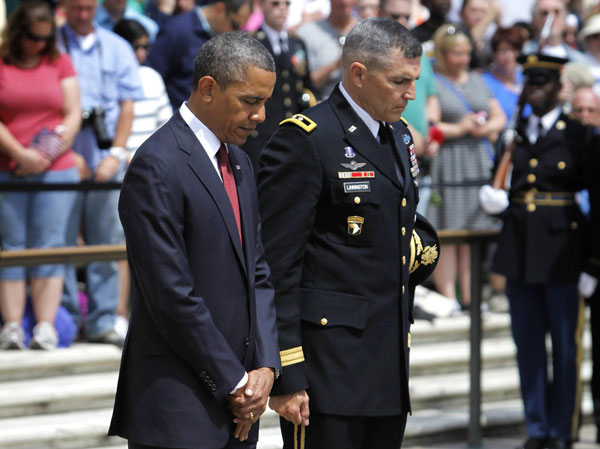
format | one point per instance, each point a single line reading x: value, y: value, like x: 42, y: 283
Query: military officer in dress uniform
x: 293, y: 88
x: 549, y: 253
x: 338, y: 196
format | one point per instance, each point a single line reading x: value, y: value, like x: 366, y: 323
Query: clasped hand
x: 249, y: 402
x: 293, y: 407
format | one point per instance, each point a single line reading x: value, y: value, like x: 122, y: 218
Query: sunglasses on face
x: 37, y: 38
x: 277, y: 3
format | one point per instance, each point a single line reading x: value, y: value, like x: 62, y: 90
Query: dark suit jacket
x: 174, y: 52
x: 545, y: 244
x: 202, y: 307
x: 342, y: 296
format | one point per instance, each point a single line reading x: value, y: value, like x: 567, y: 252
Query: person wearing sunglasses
x: 293, y: 90
x: 175, y: 49
x: 39, y: 117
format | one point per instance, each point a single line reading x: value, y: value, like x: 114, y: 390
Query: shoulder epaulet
x: 302, y: 121
x: 404, y: 121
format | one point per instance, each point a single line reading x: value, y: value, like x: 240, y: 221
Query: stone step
x: 57, y: 394
x: 427, y: 425
x: 457, y: 327
x: 79, y: 358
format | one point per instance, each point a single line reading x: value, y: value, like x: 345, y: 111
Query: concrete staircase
x: 62, y: 399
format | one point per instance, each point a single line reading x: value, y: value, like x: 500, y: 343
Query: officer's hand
x: 293, y: 407
x: 250, y: 402
x: 587, y: 284
x: 107, y: 168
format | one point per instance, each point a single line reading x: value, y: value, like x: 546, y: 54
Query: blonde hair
x: 446, y: 38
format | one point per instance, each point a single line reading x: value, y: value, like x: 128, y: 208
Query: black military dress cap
x: 539, y: 69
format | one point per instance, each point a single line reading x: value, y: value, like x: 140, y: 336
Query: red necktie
x: 229, y: 183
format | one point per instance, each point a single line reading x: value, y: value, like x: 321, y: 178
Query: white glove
x: 587, y: 284
x: 493, y: 201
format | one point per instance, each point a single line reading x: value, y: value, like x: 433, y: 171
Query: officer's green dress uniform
x: 544, y: 245
x: 338, y: 215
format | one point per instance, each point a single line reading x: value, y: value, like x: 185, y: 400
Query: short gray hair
x: 372, y: 40
x: 227, y: 56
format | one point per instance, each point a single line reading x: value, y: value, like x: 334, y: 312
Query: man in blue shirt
x: 109, y: 82
x: 111, y: 11
x: 175, y: 49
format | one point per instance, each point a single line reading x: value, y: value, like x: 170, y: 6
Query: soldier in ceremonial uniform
x: 549, y: 253
x: 338, y: 193
x: 293, y: 88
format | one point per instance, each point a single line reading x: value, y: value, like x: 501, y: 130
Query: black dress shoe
x: 554, y: 443
x: 533, y: 443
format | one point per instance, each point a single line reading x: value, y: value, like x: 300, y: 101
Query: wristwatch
x: 119, y: 153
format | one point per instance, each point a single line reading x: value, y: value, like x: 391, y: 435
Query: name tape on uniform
x: 355, y: 174
x: 350, y: 187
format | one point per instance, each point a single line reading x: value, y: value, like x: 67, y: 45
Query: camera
x: 95, y: 118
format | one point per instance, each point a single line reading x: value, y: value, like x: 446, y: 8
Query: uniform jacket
x: 202, y: 302
x: 540, y: 244
x: 291, y: 93
x: 343, y: 299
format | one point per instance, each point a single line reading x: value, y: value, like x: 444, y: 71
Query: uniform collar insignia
x: 352, y: 128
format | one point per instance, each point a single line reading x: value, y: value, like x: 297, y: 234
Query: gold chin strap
x: 302, y: 436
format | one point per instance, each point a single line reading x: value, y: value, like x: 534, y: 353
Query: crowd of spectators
x: 83, y: 84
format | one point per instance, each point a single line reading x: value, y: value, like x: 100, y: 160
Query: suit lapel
x: 203, y: 168
x: 359, y: 136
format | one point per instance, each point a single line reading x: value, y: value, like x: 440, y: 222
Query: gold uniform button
x: 323, y: 321
x: 403, y: 202
x: 299, y: 86
x: 531, y: 207
x: 288, y: 115
x: 285, y: 87
x: 533, y: 163
x: 285, y: 73
x: 287, y: 102
x: 403, y: 260
x: 530, y: 178
x: 357, y: 200
x: 561, y: 165
x: 403, y: 289
x: 403, y: 230
x: 574, y: 225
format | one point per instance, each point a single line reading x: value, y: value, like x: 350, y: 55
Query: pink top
x: 31, y: 100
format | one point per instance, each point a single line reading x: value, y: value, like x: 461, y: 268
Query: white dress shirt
x: 547, y: 122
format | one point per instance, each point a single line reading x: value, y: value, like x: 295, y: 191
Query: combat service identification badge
x: 355, y: 225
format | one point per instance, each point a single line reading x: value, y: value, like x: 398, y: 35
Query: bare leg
x: 124, y: 285
x: 445, y: 272
x: 12, y: 300
x: 464, y: 272
x: 46, y: 294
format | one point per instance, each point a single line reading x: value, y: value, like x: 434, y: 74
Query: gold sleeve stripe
x: 291, y: 356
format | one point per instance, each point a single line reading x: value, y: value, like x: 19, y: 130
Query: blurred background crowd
x: 84, y: 82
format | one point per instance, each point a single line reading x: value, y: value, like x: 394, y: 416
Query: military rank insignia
x: 355, y: 224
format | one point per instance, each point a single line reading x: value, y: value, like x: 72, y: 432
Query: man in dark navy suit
x: 338, y: 195
x: 201, y: 353
x: 173, y: 52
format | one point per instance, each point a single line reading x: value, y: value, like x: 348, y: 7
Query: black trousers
x: 594, y: 303
x: 345, y: 432
x: 231, y: 444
